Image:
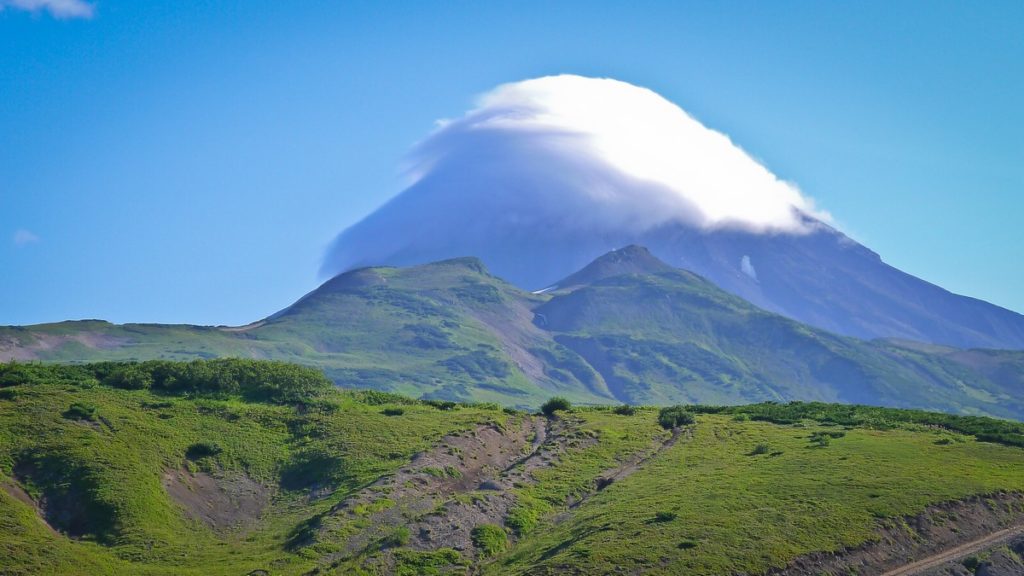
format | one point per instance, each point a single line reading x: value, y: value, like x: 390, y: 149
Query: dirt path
x: 625, y: 469
x: 958, y: 552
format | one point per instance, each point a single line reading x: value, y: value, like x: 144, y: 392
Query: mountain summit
x: 545, y: 175
x: 632, y: 259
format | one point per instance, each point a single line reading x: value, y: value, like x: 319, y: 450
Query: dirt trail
x: 465, y: 481
x: 915, y: 544
x: 936, y: 560
x: 627, y: 468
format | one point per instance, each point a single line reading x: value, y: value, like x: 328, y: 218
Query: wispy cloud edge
x: 61, y: 9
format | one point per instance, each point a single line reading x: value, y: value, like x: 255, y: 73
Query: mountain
x: 447, y: 330
x: 626, y: 328
x: 545, y: 175
x: 230, y: 467
x: 825, y: 279
x: 821, y: 278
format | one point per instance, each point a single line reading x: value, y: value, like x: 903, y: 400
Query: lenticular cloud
x: 567, y: 161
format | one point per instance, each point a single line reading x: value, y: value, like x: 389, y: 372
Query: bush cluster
x: 982, y: 428
x: 554, y: 405
x: 674, y: 416
x: 489, y: 539
x: 81, y: 411
x: 256, y: 380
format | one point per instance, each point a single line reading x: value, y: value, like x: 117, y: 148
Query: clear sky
x: 189, y: 162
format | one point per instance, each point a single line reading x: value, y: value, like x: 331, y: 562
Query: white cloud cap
x: 704, y: 178
x: 56, y: 8
x: 544, y: 175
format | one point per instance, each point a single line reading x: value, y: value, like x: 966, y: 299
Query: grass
x: 735, y: 514
x: 703, y: 505
x: 118, y: 469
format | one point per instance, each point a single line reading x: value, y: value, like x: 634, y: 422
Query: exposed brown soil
x: 14, y: 490
x: 948, y: 558
x: 1003, y: 559
x: 444, y: 493
x: 514, y: 326
x: 942, y: 528
x: 223, y: 502
x: 11, y: 349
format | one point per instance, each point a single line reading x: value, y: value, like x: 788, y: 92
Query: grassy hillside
x: 445, y: 331
x: 627, y: 328
x: 229, y: 466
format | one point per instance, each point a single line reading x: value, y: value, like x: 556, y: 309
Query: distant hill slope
x: 626, y: 328
x: 231, y: 467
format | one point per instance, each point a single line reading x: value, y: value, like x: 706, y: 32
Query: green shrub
x: 378, y: 398
x: 81, y: 411
x: 130, y: 377
x: 982, y: 428
x: 675, y: 416
x: 624, y: 410
x: 393, y: 411
x: 522, y: 520
x: 759, y: 449
x: 665, y: 516
x: 442, y: 404
x: 400, y: 537
x: 972, y: 563
x: 489, y: 539
x: 203, y: 450
x: 555, y: 404
x: 446, y: 472
x: 416, y: 563
x: 311, y: 467
x: 823, y: 439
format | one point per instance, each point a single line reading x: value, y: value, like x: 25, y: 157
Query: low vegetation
x: 984, y: 429
x: 555, y: 404
x: 675, y: 416
x: 110, y: 468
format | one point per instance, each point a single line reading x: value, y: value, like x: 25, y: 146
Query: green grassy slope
x: 448, y: 330
x: 102, y: 475
x: 85, y: 462
x: 673, y: 337
x: 627, y: 328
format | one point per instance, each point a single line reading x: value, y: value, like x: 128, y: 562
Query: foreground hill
x: 238, y: 467
x: 627, y: 328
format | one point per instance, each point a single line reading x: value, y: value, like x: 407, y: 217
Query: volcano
x: 545, y: 175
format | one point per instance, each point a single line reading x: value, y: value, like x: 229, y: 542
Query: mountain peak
x: 471, y: 263
x: 632, y: 259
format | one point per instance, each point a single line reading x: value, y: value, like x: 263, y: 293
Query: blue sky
x: 191, y: 161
